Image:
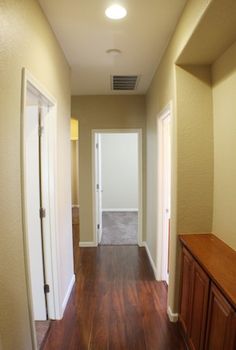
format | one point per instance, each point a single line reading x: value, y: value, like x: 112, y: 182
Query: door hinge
x: 41, y: 129
x: 97, y: 145
x: 97, y: 186
x: 42, y: 213
x: 46, y: 288
x: 98, y: 226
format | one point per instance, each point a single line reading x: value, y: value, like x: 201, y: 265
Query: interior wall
x: 195, y: 149
x: 28, y: 41
x: 160, y: 93
x: 224, y: 103
x: 75, y: 172
x: 119, y: 169
x: 103, y: 112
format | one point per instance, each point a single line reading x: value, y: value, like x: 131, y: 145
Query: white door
x: 166, y: 168
x: 33, y: 200
x: 98, y: 184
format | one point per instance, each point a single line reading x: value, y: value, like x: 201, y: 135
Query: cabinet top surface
x: 216, y: 258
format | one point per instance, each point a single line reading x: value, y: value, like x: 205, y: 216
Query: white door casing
x: 95, y: 171
x: 33, y: 209
x: 98, y: 185
x: 164, y: 192
x: 49, y: 195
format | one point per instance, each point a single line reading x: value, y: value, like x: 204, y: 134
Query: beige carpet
x: 42, y: 327
x: 119, y: 228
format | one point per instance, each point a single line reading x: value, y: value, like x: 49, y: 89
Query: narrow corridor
x: 115, y: 304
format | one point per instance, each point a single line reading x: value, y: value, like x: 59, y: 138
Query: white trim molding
x: 166, y: 112
x: 75, y: 206
x: 52, y: 256
x: 68, y: 293
x: 173, y: 317
x: 87, y: 244
x: 150, y: 259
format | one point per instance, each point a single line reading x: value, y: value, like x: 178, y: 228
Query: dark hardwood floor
x: 116, y: 304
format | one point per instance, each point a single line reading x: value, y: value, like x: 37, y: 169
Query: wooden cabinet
x: 187, y: 271
x: 221, y: 326
x: 198, y: 307
x: 207, y: 312
x: 194, y: 299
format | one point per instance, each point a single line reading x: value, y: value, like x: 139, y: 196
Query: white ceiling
x: 85, y: 34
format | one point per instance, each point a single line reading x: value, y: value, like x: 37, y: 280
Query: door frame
x: 52, y: 249
x: 98, y: 182
x: 161, y: 243
x: 140, y: 179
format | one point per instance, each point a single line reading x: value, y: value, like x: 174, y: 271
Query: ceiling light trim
x: 116, y: 12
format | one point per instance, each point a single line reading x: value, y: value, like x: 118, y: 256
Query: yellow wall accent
x: 102, y: 112
x: 28, y: 41
x: 74, y: 129
x: 224, y: 101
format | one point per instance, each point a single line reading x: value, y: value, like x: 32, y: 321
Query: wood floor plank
x: 116, y: 304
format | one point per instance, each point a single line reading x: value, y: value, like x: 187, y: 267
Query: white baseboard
x: 120, y: 209
x: 87, y: 244
x: 150, y: 259
x: 172, y: 316
x: 75, y: 206
x: 142, y: 244
x: 69, y: 289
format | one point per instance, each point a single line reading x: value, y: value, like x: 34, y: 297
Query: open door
x: 98, y: 185
x: 34, y: 200
x: 164, y: 194
x: 39, y: 199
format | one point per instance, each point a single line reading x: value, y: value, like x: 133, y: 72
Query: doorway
x: 74, y: 143
x: 117, y: 183
x: 164, y: 192
x: 39, y: 204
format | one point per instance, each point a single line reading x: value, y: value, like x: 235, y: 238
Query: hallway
x: 115, y: 304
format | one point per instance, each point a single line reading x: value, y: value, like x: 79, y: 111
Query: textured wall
x: 27, y: 41
x: 195, y: 149
x: 102, y: 112
x: 224, y: 101
x: 161, y: 92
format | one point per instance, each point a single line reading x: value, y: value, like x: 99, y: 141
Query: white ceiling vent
x: 124, y: 82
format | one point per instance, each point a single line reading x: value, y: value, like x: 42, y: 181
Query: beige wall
x: 194, y: 149
x: 224, y: 101
x: 75, y: 172
x: 27, y: 41
x: 102, y: 112
x: 161, y: 91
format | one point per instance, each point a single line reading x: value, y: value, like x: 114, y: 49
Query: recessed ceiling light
x: 116, y: 12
